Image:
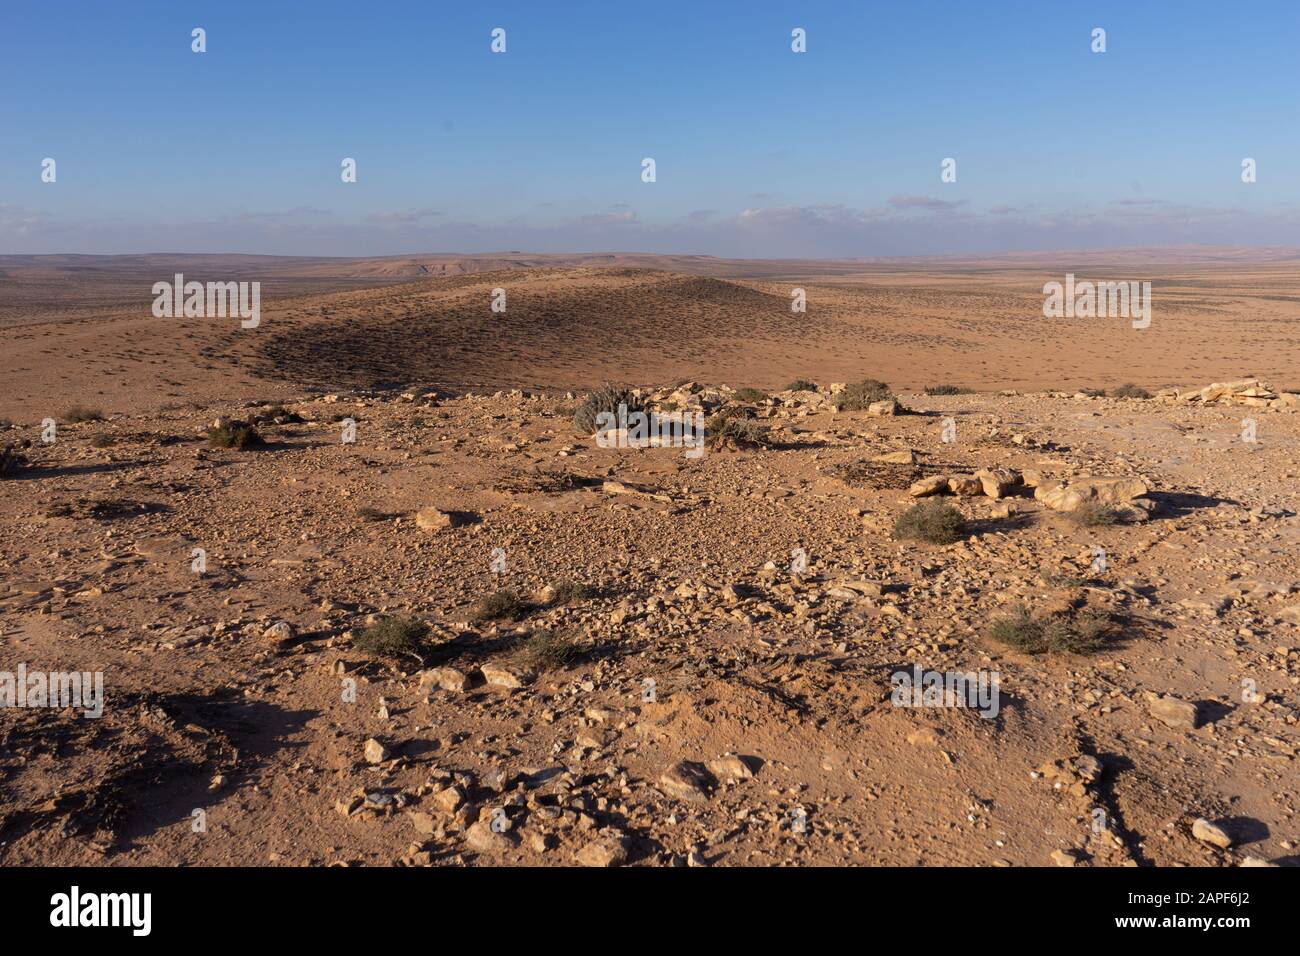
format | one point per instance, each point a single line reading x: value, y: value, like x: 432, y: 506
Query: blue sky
x: 759, y: 151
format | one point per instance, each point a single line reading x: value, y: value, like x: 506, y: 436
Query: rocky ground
x: 715, y: 688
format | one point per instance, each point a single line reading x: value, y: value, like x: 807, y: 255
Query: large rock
x: 965, y: 485
x: 433, y: 519
x: 1179, y: 714
x: 888, y: 406
x: 904, y: 457
x: 933, y: 485
x: 448, y: 678
x: 504, y: 676
x: 997, y: 482
x: 730, y: 768
x: 483, y: 838
x: 1116, y: 492
x: 1208, y: 832
x: 280, y: 633
x: 686, y: 780
x: 609, y: 849
x: 1250, y: 392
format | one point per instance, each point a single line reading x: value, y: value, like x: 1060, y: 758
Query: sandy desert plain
x: 475, y: 636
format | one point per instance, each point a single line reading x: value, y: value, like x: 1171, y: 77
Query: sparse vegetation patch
x: 500, y: 605
x: 858, y: 396
x: 237, y: 435
x: 1075, y: 632
x: 545, y: 650
x: 80, y: 413
x: 931, y: 520
x: 607, y: 398
x: 394, y: 637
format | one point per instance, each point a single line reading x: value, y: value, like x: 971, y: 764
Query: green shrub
x: 544, y: 650
x: 394, y: 637
x: 1129, y: 390
x: 801, y: 385
x: 233, y: 435
x: 500, y: 605
x: 277, y: 414
x: 607, y: 398
x: 859, y: 395
x: 1094, y: 514
x: 751, y: 396
x: 948, y: 390
x: 931, y: 520
x: 11, y: 461
x: 1078, y: 632
x: 80, y: 413
x: 569, y: 592
x: 735, y: 425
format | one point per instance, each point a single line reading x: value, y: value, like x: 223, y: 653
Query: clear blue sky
x: 760, y: 151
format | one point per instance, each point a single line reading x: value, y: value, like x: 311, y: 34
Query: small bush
x: 543, y: 480
x: 1095, y: 514
x: 1129, y: 390
x: 11, y: 461
x: 751, y: 396
x: 570, y: 592
x: 801, y: 385
x: 932, y: 521
x: 500, y: 605
x: 233, y: 435
x: 859, y: 395
x: 1076, y: 633
x: 1084, y: 633
x: 735, y: 425
x: 544, y: 650
x: 394, y: 637
x: 948, y: 390
x: 607, y: 398
x: 80, y: 413
x: 1019, y: 630
x: 277, y: 414
x: 1064, y: 580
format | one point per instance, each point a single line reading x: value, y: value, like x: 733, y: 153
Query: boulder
x: 504, y: 676
x: 483, y: 838
x: 433, y: 519
x: 730, y: 768
x: 446, y: 678
x: 1115, y: 492
x: 933, y: 485
x: 1179, y: 714
x: 609, y: 849
x: 1208, y: 832
x: 965, y: 485
x: 904, y: 457
x: 686, y: 781
x: 997, y: 482
x: 281, y: 632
